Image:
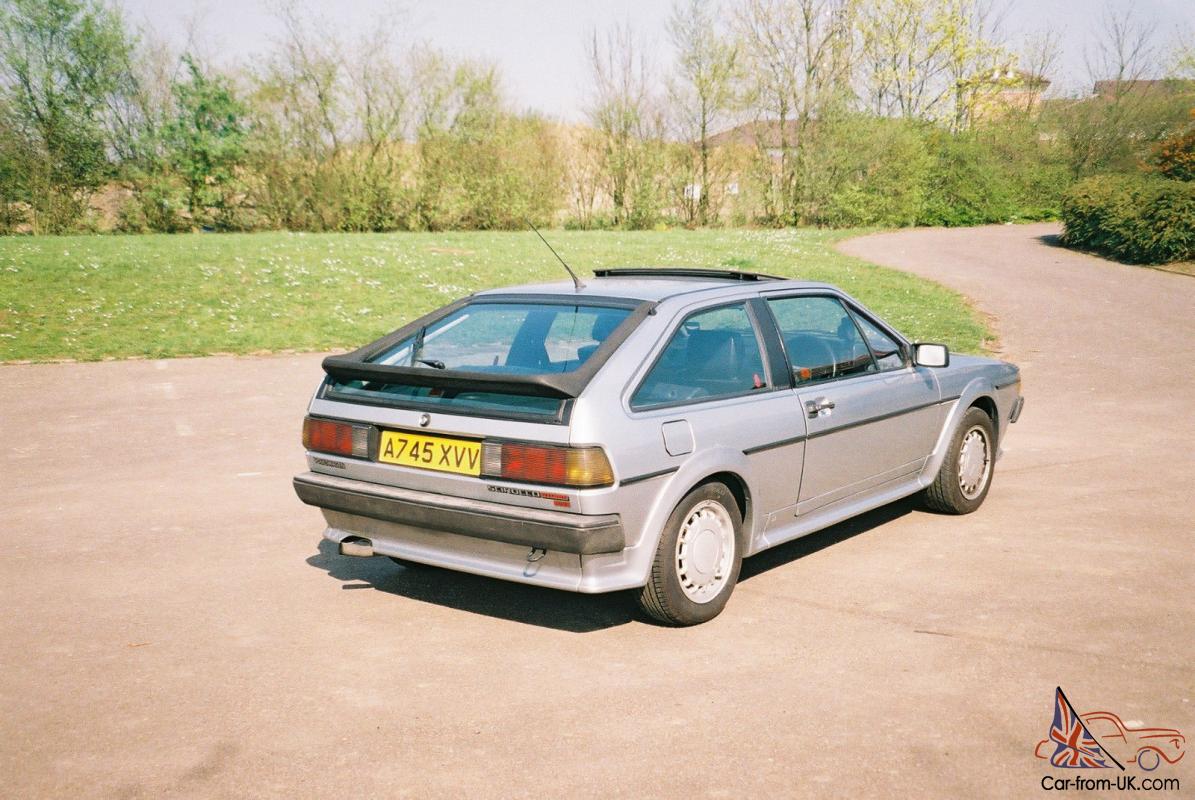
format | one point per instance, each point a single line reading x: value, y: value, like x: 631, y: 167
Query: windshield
x: 495, y: 338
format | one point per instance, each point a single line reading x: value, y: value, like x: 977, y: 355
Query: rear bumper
x: 548, y: 530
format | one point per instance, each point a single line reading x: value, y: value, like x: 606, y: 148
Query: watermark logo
x: 1074, y: 746
x: 1095, y: 740
x: 1102, y: 740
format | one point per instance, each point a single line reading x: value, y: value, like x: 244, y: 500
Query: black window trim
x: 851, y: 309
x: 901, y: 348
x: 561, y: 416
x: 760, y: 337
x: 357, y: 365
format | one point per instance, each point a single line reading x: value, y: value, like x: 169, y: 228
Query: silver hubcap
x: 974, y: 463
x: 705, y: 551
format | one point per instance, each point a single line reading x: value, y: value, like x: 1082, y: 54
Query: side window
x: 713, y: 354
x: 1104, y: 728
x: 820, y: 338
x: 884, y: 347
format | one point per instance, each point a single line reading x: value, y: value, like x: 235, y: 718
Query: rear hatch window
x: 489, y: 358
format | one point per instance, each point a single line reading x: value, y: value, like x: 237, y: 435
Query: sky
x: 538, y: 44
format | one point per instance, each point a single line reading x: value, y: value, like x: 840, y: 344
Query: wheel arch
x: 716, y: 465
x: 987, y: 404
x: 738, y: 487
x: 979, y: 393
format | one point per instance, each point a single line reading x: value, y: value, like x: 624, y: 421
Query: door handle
x: 815, y: 407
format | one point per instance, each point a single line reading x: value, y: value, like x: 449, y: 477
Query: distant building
x: 1024, y: 91
x: 760, y: 134
x: 1168, y: 87
x: 1006, y: 89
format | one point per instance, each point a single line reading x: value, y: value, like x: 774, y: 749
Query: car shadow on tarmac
x: 807, y: 545
x: 551, y: 608
x: 533, y: 605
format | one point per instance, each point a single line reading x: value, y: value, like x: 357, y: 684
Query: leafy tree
x: 932, y: 59
x: 65, y: 66
x: 206, y: 140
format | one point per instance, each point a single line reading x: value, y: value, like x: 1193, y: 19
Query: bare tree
x: 701, y: 89
x: 1039, y: 55
x: 1105, y: 131
x: 933, y: 59
x: 620, y: 109
x: 977, y: 64
x: 331, y: 122
x: 1125, y: 51
x: 798, y: 56
x: 905, y: 50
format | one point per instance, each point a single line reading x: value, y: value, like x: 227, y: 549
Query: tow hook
x: 536, y: 554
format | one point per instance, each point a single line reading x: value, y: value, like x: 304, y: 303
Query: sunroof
x: 684, y: 272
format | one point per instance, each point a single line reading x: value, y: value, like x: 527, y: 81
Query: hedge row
x: 1139, y: 219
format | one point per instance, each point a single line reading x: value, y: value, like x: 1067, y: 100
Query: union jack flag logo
x: 1075, y: 747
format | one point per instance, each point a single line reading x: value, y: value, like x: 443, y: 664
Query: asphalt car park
x: 174, y: 625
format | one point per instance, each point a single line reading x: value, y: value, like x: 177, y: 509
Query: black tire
x: 664, y: 598
x: 946, y: 494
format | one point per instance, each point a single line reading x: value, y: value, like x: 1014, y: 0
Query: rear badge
x: 558, y: 500
x: 424, y: 420
x: 323, y: 462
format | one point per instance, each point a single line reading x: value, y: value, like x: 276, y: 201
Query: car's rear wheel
x: 966, y: 473
x: 697, y: 560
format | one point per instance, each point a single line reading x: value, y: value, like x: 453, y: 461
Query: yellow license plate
x: 430, y: 452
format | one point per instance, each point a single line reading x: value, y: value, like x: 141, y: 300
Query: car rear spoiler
x: 359, y: 366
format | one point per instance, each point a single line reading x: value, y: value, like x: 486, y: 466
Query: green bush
x: 158, y: 203
x: 967, y: 183
x: 1139, y: 219
x: 872, y: 171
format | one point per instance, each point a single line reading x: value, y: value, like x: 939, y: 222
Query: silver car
x: 644, y: 431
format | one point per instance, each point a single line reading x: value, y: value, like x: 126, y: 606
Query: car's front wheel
x: 966, y: 473
x: 1148, y: 759
x: 697, y: 560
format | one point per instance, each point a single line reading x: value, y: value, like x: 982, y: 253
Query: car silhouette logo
x: 1092, y: 740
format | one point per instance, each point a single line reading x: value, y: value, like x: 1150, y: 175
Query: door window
x: 713, y: 354
x: 883, y: 347
x: 820, y: 338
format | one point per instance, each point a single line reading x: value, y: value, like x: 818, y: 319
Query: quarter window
x: 883, y: 347
x: 713, y: 354
x: 820, y: 338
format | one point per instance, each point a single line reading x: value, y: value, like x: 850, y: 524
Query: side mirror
x: 931, y: 355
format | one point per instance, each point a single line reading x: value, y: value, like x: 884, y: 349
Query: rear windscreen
x: 496, y: 338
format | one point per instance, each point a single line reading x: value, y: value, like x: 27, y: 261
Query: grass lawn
x: 96, y: 297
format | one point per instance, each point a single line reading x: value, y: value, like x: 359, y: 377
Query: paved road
x: 172, y: 625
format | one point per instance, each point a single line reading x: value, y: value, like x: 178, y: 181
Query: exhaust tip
x: 357, y: 546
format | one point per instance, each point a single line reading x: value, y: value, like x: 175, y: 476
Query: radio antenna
x: 576, y: 281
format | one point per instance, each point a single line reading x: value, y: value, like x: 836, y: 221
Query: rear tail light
x: 534, y: 463
x: 340, y: 438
